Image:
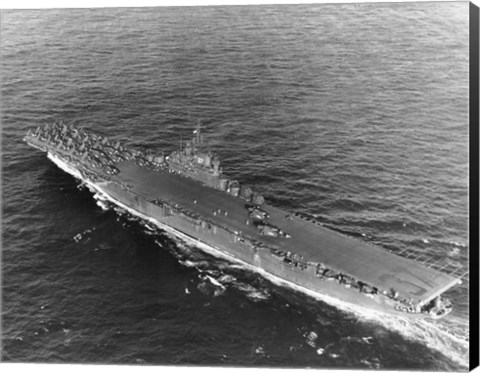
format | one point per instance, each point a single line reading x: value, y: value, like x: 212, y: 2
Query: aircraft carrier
x: 186, y: 193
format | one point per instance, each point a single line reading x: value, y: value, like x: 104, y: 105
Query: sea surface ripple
x: 354, y: 113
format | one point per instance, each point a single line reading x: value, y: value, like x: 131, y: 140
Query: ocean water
x: 354, y: 113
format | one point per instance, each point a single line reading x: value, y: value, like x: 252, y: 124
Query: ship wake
x: 448, y: 336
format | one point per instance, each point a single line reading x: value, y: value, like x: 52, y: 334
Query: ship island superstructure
x: 188, y: 194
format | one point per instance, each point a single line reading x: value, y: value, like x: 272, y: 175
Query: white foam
x: 102, y: 205
x: 367, y: 340
x: 226, y: 279
x: 260, y: 350
x: 434, y: 334
x: 251, y: 292
x: 149, y: 227
x: 215, y: 282
x: 188, y: 263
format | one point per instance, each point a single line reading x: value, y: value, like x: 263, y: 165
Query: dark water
x: 354, y: 113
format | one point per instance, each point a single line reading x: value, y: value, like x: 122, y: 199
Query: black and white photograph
x: 256, y: 185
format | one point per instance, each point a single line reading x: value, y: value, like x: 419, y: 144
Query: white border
x: 45, y: 4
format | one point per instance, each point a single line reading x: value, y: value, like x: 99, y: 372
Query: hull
x: 223, y: 245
